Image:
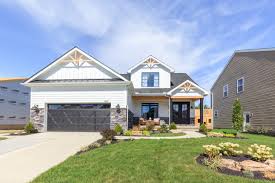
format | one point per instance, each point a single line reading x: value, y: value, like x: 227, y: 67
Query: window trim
x: 142, y: 73
x: 242, y: 78
x: 216, y: 113
x: 223, y: 91
x: 149, y: 104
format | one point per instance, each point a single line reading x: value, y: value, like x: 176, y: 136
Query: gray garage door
x: 78, y: 117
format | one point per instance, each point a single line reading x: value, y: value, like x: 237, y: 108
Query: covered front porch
x: 175, y: 106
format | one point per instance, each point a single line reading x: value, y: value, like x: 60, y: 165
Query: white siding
x: 163, y: 107
x: 164, y: 76
x: 70, y: 71
x: 79, y: 94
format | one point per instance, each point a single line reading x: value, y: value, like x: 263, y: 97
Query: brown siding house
x: 256, y: 71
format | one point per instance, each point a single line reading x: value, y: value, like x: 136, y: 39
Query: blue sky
x: 196, y: 37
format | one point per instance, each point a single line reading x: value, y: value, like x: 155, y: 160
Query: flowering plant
x: 260, y: 152
x: 230, y: 149
x: 212, y: 151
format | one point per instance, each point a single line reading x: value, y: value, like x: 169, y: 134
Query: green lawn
x: 2, y: 138
x: 166, y: 134
x: 147, y: 161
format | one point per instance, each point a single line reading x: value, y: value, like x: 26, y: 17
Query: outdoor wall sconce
x: 118, y: 108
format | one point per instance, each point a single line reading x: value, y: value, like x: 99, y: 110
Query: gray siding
x: 258, y: 70
x: 14, y: 104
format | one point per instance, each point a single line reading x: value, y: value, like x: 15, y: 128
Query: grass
x: 148, y: 161
x: 10, y: 131
x: 170, y: 134
x: 3, y: 138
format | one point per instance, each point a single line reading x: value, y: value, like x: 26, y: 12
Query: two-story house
x: 14, y: 103
x: 76, y: 92
x: 250, y: 77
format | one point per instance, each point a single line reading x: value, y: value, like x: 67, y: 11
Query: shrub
x: 128, y: 133
x: 212, y: 163
x: 108, y: 134
x: 203, y: 129
x: 229, y: 131
x: 230, y: 149
x: 173, y: 126
x: 150, y: 126
x: 29, y: 128
x: 163, y: 128
x: 211, y: 151
x: 118, y: 129
x: 237, y: 116
x: 260, y: 152
x: 145, y: 133
x: 229, y: 135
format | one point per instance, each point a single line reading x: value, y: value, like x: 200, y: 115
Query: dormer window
x: 150, y: 79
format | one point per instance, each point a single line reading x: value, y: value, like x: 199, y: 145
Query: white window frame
x: 242, y: 78
x: 223, y: 90
x: 216, y: 113
x: 245, y: 123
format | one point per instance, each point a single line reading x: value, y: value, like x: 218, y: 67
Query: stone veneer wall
x: 37, y: 118
x: 119, y: 118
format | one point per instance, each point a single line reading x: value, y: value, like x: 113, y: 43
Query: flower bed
x: 150, y: 130
x: 229, y: 159
x: 227, y: 133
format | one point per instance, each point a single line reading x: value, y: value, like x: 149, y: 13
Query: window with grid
x: 150, y: 79
x: 240, y: 85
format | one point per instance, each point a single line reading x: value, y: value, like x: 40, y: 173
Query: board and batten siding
x: 164, y: 76
x: 69, y: 71
x: 79, y: 94
x: 258, y: 98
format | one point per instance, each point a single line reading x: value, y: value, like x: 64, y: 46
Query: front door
x: 181, y: 112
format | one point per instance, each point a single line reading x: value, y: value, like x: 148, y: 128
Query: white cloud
x: 185, y: 35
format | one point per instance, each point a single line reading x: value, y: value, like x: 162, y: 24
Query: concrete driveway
x: 22, y: 158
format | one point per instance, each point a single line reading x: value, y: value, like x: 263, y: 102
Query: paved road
x: 22, y: 158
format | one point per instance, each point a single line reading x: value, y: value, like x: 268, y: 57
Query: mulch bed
x: 256, y: 174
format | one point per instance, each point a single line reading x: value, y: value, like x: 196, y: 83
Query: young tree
x: 237, y: 116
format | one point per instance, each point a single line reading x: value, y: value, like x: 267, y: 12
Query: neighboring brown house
x: 207, y: 118
x: 250, y: 77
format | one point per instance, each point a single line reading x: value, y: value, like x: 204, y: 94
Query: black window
x: 23, y: 103
x: 2, y: 100
x: 12, y: 102
x: 149, y: 110
x: 150, y: 79
x: 3, y: 88
x: 12, y: 117
x: 216, y: 113
x: 2, y: 117
x: 247, y: 118
x: 22, y: 118
x: 15, y: 91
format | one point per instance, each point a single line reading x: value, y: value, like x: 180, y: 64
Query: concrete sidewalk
x: 23, y: 158
x: 188, y: 134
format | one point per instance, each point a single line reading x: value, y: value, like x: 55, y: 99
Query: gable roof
x: 194, y: 84
x: 248, y: 51
x: 64, y: 56
x: 155, y: 59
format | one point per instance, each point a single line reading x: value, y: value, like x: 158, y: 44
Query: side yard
x: 148, y: 161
